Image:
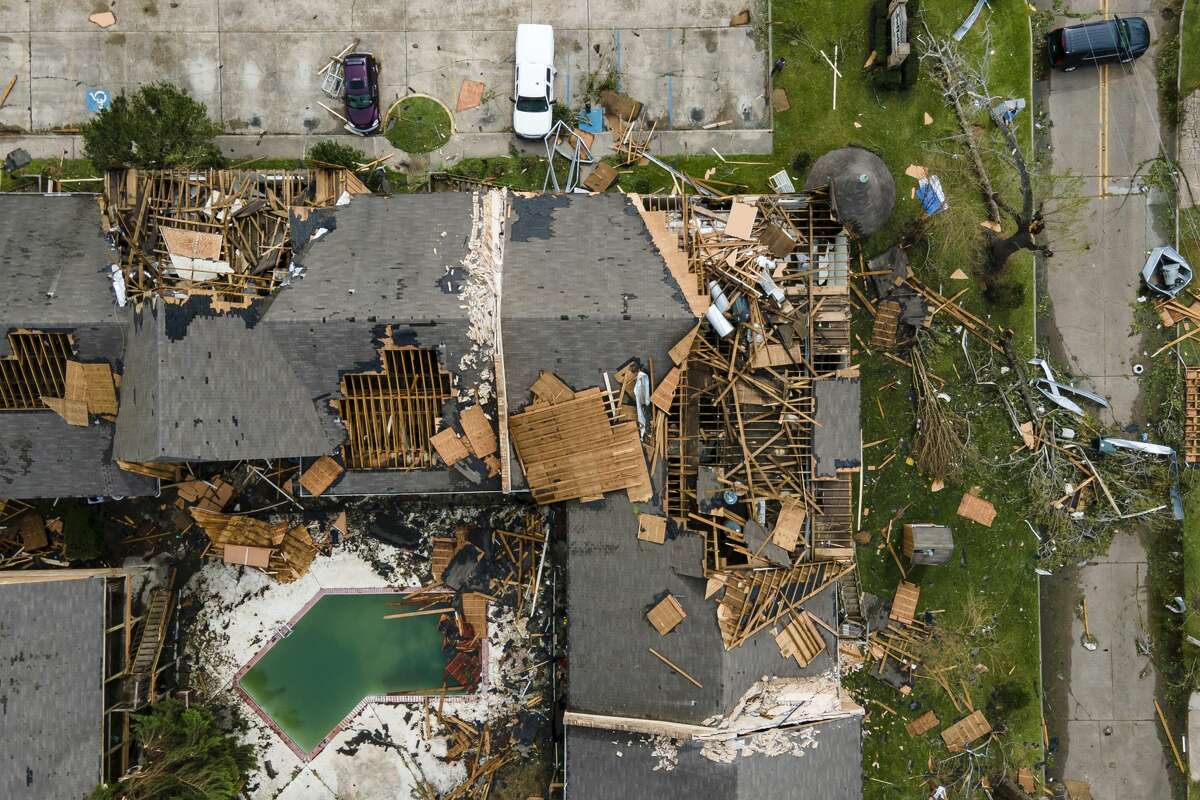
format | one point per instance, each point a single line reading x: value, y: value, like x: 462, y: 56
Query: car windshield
x: 358, y: 100
x: 357, y: 84
x: 533, y: 105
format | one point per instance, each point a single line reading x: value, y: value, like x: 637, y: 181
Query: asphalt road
x: 1104, y: 127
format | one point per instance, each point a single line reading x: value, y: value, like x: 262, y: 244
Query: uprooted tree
x: 159, y: 127
x: 185, y: 755
x: 965, y: 88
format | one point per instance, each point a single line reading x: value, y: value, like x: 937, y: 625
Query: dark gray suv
x: 1118, y: 39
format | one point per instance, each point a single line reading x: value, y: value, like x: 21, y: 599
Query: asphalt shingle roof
x: 51, y: 635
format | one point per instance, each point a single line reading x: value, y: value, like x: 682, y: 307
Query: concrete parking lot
x: 254, y: 62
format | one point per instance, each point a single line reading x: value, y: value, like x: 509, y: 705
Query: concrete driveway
x: 1100, y: 704
x: 1104, y: 126
x: 254, y: 62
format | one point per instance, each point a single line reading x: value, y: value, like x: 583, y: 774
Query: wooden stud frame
x: 36, y: 369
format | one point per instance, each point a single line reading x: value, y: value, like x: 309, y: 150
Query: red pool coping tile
x: 386, y: 699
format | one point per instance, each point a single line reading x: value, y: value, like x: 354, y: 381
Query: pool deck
x: 395, y: 699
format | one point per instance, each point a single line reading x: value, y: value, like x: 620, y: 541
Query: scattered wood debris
x: 666, y: 615
x: 976, y: 509
x: 320, y: 475
x: 922, y: 724
x: 652, y: 528
x: 962, y: 733
x: 470, y: 95
x: 291, y: 549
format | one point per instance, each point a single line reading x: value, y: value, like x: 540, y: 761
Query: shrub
x: 156, y: 128
x: 332, y: 152
x: 83, y: 535
x: 1005, y: 295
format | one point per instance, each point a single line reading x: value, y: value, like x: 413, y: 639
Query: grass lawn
x: 68, y: 168
x: 418, y: 125
x: 1189, y: 71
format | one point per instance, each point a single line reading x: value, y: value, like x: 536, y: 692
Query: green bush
x: 1005, y: 295
x: 83, y: 535
x: 158, y: 127
x: 185, y: 756
x: 332, y: 152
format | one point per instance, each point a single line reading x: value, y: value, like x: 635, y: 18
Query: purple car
x: 362, y: 92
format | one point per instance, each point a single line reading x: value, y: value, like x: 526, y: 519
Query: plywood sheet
x: 922, y: 724
x: 789, y: 525
x: 904, y: 605
x: 741, y: 220
x: 320, y: 475
x: 679, y: 352
x: 664, y: 393
x: 973, y: 726
x: 800, y: 640
x: 470, y: 94
x: 479, y: 431
x: 977, y: 509
x: 549, y: 388
x: 652, y: 528
x: 192, y: 244
x: 449, y: 446
x: 666, y: 615
x: 248, y: 556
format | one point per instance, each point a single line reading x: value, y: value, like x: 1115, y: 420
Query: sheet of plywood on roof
x: 667, y: 242
x: 474, y: 608
x: 664, y: 393
x: 73, y: 411
x: 922, y: 724
x: 652, y: 528
x: 99, y: 390
x: 247, y: 556
x: 904, y: 604
x: 549, y: 388
x: 800, y: 639
x: 741, y: 220
x: 887, y: 320
x: 680, y: 350
x: 192, y: 244
x: 1191, y: 416
x: 666, y: 615
x: 965, y: 731
x: 977, y: 509
x: 789, y: 524
x: 570, y: 450
x: 479, y: 431
x: 229, y: 529
x: 449, y: 446
x: 320, y: 475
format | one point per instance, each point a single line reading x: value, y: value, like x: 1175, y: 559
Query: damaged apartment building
x: 675, y: 371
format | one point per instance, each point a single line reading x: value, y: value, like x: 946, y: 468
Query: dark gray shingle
x: 42, y: 456
x: 836, y: 437
x: 50, y: 645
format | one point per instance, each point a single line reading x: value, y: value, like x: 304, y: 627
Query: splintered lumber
x: 679, y: 352
x: 1170, y: 738
x: 652, y: 528
x: 904, y: 604
x: 8, y: 87
x: 653, y: 727
x: 962, y: 733
x: 666, y: 615
x: 977, y: 509
x: 164, y: 472
x: 478, y: 431
x: 922, y: 724
x: 573, y: 450
x: 675, y: 667
x: 449, y: 446
x: 664, y: 393
x: 320, y: 475
x: 600, y: 178
x: 1191, y: 416
x: 800, y: 639
x: 225, y: 529
x: 887, y: 321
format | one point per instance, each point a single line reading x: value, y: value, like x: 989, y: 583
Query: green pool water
x: 339, y: 652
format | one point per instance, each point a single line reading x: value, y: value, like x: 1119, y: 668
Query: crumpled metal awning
x: 1166, y: 271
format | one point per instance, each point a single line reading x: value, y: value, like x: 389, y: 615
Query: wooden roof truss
x: 391, y: 415
x: 37, y: 368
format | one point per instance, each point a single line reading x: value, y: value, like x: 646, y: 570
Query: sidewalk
x: 461, y: 145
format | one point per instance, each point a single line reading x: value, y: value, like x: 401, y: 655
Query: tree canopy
x: 158, y: 127
x: 185, y: 756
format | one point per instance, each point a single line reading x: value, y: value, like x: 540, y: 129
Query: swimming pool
x: 337, y: 654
